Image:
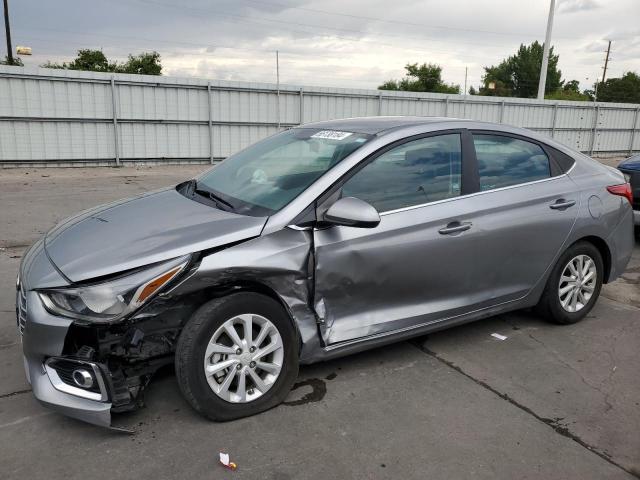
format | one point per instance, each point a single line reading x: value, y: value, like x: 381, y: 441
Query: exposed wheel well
x: 602, y: 247
x: 254, y: 287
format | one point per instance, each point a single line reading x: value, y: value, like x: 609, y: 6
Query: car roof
x: 383, y: 125
x: 376, y: 125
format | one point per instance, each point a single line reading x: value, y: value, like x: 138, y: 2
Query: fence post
x: 594, y: 129
x: 210, y: 109
x: 379, y: 103
x: 115, y: 120
x: 446, y: 107
x: 633, y: 130
x: 501, y: 111
x: 553, y: 124
x: 301, y: 114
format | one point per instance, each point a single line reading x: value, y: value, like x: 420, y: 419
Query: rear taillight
x: 622, y: 190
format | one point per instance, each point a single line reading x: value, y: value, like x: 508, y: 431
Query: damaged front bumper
x: 43, y: 340
x: 89, y: 370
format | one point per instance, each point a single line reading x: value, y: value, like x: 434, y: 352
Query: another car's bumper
x: 621, y: 242
x: 636, y: 217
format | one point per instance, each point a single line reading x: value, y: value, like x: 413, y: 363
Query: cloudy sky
x: 355, y: 43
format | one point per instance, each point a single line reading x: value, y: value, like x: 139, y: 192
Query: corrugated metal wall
x: 67, y: 117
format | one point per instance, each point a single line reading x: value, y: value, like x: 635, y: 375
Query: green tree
x: 96, y: 61
x: 389, y: 85
x: 569, y: 91
x: 143, y: 64
x: 625, y: 89
x: 16, y: 62
x: 572, y: 86
x: 421, y: 78
x: 87, y: 60
x: 518, y: 75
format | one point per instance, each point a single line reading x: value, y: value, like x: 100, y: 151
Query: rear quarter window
x: 564, y: 161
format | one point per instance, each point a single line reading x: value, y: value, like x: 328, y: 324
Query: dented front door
x: 399, y: 275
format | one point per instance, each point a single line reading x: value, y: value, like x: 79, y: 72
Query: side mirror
x: 352, y: 212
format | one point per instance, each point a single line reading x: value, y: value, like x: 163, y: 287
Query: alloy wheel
x: 577, y: 283
x: 243, y: 358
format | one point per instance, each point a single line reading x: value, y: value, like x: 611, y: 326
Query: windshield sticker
x: 331, y: 135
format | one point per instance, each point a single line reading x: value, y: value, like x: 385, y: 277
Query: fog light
x: 82, y: 378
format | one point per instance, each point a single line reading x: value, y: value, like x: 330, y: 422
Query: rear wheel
x: 574, y: 285
x: 237, y: 356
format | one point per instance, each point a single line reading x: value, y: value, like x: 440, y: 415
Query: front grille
x: 21, y: 307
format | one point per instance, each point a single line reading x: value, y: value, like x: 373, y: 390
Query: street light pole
x: 8, y: 32
x: 545, y: 56
x: 278, y: 87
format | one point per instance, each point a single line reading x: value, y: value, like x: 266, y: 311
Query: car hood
x: 139, y: 231
x: 631, y: 163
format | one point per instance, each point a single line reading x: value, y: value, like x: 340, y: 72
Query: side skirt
x: 365, y: 343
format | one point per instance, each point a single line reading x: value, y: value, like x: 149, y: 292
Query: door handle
x: 454, y: 227
x: 562, y: 204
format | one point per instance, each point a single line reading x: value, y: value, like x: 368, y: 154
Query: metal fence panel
x: 63, y: 117
x: 161, y: 103
x: 22, y: 141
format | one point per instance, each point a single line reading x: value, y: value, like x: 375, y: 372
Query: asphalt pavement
x: 547, y: 402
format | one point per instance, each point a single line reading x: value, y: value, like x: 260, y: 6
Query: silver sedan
x: 316, y: 242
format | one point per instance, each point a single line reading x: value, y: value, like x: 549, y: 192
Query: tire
x: 550, y: 305
x: 210, y: 320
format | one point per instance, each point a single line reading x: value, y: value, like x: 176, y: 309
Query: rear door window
x: 504, y: 161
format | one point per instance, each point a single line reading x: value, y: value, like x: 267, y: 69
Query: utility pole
x: 606, y: 61
x: 8, y: 32
x: 545, y: 56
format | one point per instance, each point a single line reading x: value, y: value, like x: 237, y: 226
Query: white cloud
x: 360, y: 43
x: 570, y: 6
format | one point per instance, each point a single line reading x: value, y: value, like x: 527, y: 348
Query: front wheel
x: 574, y: 285
x: 237, y: 356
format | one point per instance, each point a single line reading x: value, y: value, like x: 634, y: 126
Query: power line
x: 235, y: 47
x: 252, y: 20
x: 308, y: 25
x: 247, y: 19
x: 400, y: 22
x: 336, y: 76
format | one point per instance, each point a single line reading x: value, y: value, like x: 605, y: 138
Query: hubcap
x: 577, y: 283
x: 243, y: 358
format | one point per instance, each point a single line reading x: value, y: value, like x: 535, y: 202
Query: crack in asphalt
x: 13, y: 394
x: 605, y: 395
x: 554, y: 423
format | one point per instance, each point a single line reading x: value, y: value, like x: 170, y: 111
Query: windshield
x: 266, y: 176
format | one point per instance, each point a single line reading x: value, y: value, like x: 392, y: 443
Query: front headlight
x: 627, y: 177
x: 114, y: 299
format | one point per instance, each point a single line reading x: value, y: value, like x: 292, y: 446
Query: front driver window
x: 416, y: 172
